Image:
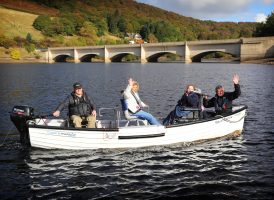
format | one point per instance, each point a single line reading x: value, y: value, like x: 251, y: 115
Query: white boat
x: 116, y: 133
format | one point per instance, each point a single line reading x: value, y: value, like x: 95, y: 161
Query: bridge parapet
x: 214, y: 42
x: 244, y: 48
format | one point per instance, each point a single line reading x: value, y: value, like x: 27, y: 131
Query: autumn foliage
x: 90, y: 21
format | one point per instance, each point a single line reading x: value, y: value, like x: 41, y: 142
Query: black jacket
x: 81, y: 106
x: 223, y: 104
x: 190, y: 101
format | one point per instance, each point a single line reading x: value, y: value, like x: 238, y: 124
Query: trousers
x: 144, y: 115
x: 77, y: 120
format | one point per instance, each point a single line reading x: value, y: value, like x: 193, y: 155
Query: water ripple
x: 237, y: 168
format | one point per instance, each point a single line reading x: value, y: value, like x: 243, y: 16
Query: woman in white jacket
x: 135, y: 104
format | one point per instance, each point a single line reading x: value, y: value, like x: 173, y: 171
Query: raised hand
x: 235, y: 78
x: 130, y: 81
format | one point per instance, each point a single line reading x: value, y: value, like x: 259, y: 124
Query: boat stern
x: 19, y: 116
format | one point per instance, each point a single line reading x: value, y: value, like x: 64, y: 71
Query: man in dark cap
x: 222, y: 101
x: 80, y: 107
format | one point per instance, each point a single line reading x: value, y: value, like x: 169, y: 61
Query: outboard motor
x: 19, y: 116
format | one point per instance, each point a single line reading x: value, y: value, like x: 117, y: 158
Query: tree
x: 112, y: 25
x: 89, y: 30
x: 163, y: 31
x: 76, y: 19
x: 42, y: 22
x: 122, y: 25
x: 30, y: 48
x: 244, y: 32
x: 51, y: 30
x: 152, y: 38
x: 55, y: 28
x: 68, y: 26
x: 213, y: 36
x: 29, y: 38
x: 129, y: 28
x: 136, y: 25
x: 127, y: 16
x: 63, y: 25
x: 267, y: 28
x: 112, y: 21
x: 147, y: 29
x: 101, y: 26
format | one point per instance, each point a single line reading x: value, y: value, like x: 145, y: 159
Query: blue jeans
x: 144, y: 115
x: 177, y: 112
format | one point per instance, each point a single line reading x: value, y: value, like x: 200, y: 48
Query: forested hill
x: 90, y: 22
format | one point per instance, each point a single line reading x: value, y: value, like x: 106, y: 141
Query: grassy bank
x: 15, y: 23
x: 23, y: 56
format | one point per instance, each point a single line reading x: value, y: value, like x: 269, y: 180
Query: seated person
x: 125, y: 107
x: 222, y: 101
x: 80, y: 107
x: 135, y: 104
x: 190, y: 99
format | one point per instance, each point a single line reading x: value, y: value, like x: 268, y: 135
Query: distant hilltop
x: 99, y: 22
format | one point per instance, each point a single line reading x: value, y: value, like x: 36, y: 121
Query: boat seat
x: 194, y: 113
x: 131, y: 120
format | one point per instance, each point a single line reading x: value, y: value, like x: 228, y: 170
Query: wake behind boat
x: 43, y: 132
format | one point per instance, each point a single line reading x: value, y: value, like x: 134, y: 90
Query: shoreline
x: 21, y: 61
x: 265, y: 61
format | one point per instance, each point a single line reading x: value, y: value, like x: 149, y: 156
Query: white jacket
x: 134, y: 103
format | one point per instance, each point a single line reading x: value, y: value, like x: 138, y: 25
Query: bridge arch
x: 155, y: 57
x: 89, y: 57
x: 121, y: 56
x: 198, y: 57
x: 61, y: 58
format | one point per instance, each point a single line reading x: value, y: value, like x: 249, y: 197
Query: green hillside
x: 98, y: 22
x: 15, y: 23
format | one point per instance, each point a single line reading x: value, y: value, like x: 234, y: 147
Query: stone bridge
x: 190, y: 51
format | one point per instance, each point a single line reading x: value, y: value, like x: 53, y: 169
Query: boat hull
x: 50, y: 137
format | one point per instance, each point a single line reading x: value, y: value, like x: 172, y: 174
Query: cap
x: 77, y: 85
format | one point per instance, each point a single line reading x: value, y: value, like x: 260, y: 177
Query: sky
x: 218, y: 10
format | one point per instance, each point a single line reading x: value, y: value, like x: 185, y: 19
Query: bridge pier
x: 187, y: 54
x: 50, y: 59
x: 143, y: 55
x: 76, y: 56
x: 106, y: 55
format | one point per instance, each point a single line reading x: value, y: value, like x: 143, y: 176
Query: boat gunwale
x: 244, y: 107
x: 209, y: 119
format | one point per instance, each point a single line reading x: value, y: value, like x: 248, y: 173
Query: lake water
x: 239, y: 168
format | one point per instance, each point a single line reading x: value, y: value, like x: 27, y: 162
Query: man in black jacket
x: 80, y: 107
x: 222, y: 101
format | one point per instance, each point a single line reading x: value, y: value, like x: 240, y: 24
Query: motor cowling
x: 19, y: 116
